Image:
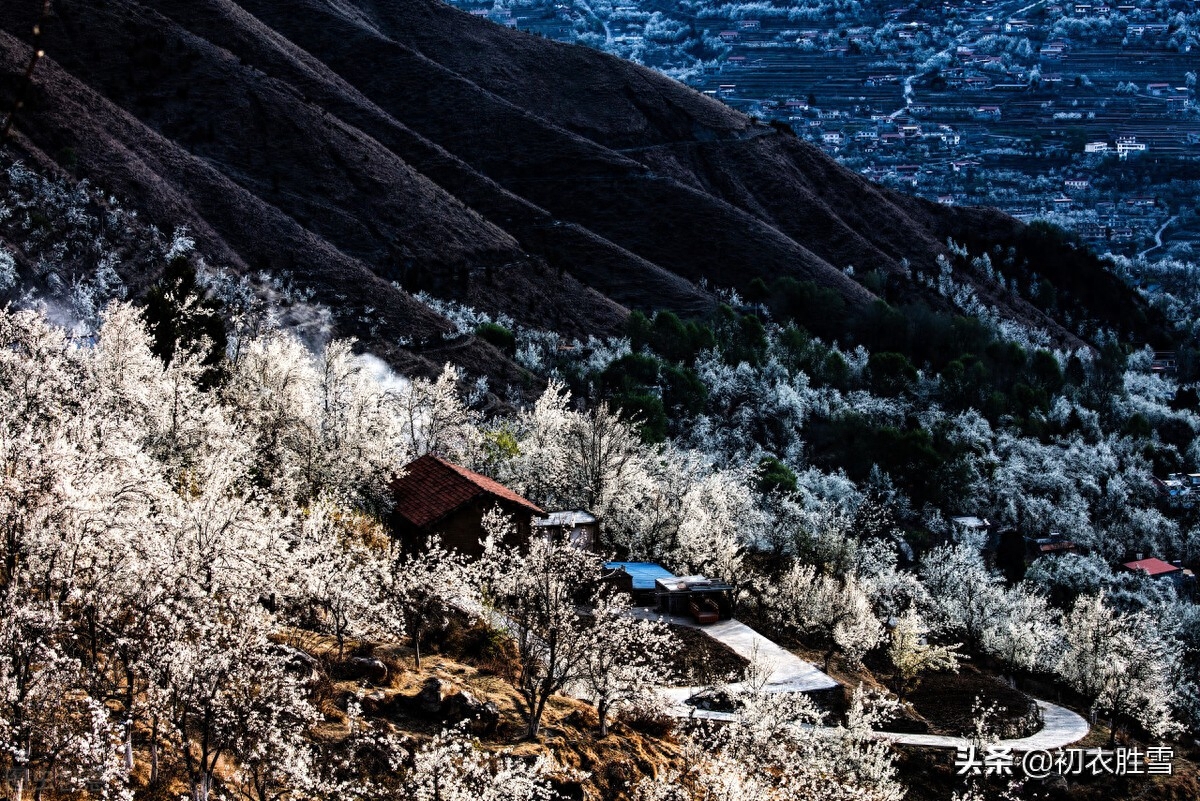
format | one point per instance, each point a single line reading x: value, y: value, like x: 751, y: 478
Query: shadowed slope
x: 371, y: 149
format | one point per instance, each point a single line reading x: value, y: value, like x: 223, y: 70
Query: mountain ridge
x: 371, y: 150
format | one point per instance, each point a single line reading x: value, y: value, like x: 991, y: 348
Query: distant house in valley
x: 704, y: 600
x: 439, y: 499
x: 1130, y: 144
x: 979, y: 527
x: 1055, y: 543
x: 1178, y: 99
x: 638, y: 579
x: 1164, y: 362
x: 1159, y: 569
x: 1172, y: 488
x: 1141, y: 201
x: 1153, y: 567
x: 1177, y: 489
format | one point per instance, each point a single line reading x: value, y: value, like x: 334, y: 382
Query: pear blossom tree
x: 1120, y: 663
x: 539, y: 594
x: 419, y: 591
x: 588, y: 459
x: 50, y: 733
x: 272, y: 719
x: 452, y: 767
x: 334, y: 568
x: 912, y: 657
x: 194, y: 676
x: 776, y: 751
x: 434, y: 419
x: 322, y: 424
x: 966, y: 596
x: 835, y: 611
x: 1024, y: 634
x: 627, y: 658
x: 719, y: 514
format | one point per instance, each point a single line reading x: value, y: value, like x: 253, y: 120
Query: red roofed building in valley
x: 1153, y: 566
x: 436, y: 497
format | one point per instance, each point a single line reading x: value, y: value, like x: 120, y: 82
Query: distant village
x: 1084, y: 114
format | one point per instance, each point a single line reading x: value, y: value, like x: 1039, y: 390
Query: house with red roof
x: 1183, y: 578
x: 436, y: 498
x: 1153, y: 566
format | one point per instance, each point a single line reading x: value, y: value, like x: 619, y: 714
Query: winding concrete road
x: 1158, y: 243
x: 1060, y: 728
x: 789, y: 673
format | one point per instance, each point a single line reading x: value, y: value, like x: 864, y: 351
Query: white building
x: 1129, y: 144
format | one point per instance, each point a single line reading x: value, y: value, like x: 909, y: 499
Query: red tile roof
x: 432, y: 488
x: 1153, y: 566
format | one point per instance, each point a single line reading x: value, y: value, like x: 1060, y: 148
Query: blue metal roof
x: 643, y: 573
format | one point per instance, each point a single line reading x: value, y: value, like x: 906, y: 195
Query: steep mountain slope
x: 368, y: 148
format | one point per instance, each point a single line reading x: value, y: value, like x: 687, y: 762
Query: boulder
x: 300, y: 663
x: 368, y: 668
x: 375, y: 703
x: 483, y: 717
x: 429, y: 700
x: 440, y: 700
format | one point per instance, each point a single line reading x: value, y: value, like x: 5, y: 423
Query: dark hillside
x: 372, y: 149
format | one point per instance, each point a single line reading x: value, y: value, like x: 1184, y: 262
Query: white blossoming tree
x: 539, y: 593
x: 627, y: 659
x: 419, y: 591
x: 912, y: 657
x: 837, y: 612
x: 1120, y: 663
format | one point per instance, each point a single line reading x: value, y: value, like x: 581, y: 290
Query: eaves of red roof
x: 432, y: 488
x: 1153, y: 566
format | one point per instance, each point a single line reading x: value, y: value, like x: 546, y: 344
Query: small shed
x: 1055, y: 543
x: 436, y: 498
x: 696, y: 597
x: 637, y: 579
x: 1174, y: 571
x: 580, y: 527
x: 980, y: 527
